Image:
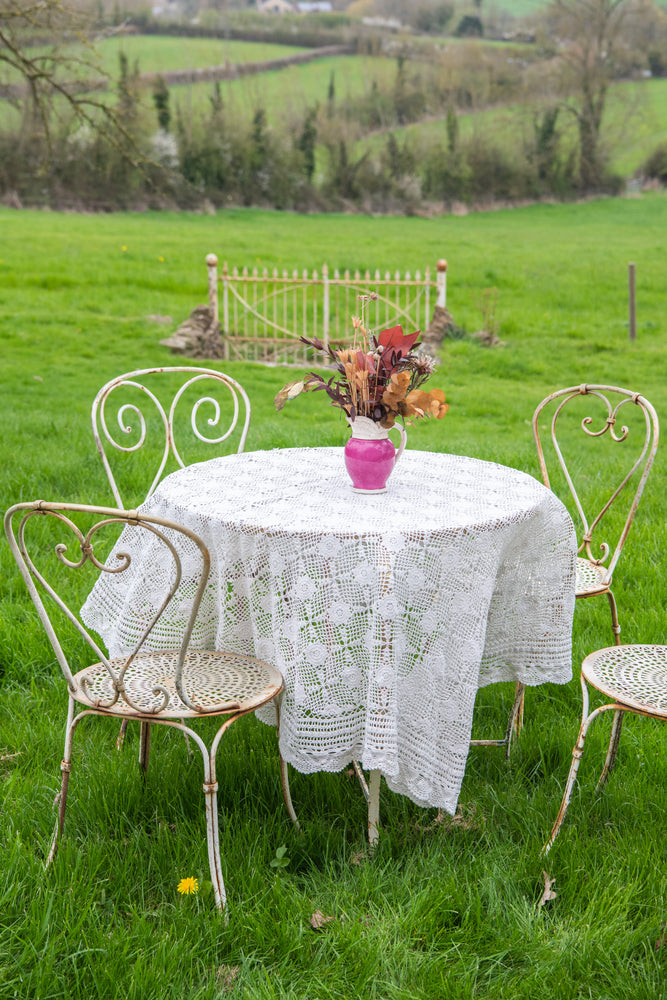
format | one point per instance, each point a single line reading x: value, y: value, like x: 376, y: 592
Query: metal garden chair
x: 635, y: 679
x: 594, y: 573
x: 174, y: 687
x: 126, y: 395
x: 600, y: 409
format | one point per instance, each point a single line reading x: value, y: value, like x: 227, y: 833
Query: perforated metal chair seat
x: 589, y: 578
x: 635, y: 676
x: 216, y: 682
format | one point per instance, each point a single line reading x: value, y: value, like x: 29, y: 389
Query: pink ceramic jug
x: 370, y: 456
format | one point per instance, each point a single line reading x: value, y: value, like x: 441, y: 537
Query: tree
x: 56, y: 82
x: 307, y: 141
x: 161, y: 102
x: 592, y: 35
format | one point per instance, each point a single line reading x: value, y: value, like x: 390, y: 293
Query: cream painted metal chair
x: 166, y: 687
x: 130, y: 400
x: 601, y: 408
x: 635, y: 679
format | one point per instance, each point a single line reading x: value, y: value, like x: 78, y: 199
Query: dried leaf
x: 289, y: 391
x: 662, y: 940
x: 548, y: 893
x: 358, y: 857
x: 465, y: 819
x: 318, y: 920
x: 226, y: 976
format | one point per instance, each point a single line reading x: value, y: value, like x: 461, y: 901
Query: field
x: 635, y: 123
x: 442, y: 909
x: 635, y: 120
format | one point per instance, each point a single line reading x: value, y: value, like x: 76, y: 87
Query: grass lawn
x: 442, y: 909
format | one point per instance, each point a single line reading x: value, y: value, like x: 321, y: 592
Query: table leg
x: 373, y: 807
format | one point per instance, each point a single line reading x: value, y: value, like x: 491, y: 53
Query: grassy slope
x: 636, y: 116
x: 635, y: 123
x: 442, y: 910
x: 157, y: 54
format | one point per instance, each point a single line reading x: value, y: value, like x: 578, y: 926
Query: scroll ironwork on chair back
x: 75, y: 551
x: 129, y: 402
x: 614, y: 404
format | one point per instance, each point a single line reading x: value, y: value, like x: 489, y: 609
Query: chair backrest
x: 51, y: 542
x: 126, y: 395
x: 598, y: 407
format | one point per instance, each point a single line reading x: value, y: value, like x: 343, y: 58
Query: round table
x: 385, y: 613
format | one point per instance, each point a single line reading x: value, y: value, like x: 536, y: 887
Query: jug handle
x: 404, y: 438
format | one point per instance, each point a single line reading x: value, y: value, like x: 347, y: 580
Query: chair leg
x: 612, y: 750
x: 284, y: 781
x: 144, y: 746
x: 373, y: 807
x: 61, y: 797
x: 515, y: 721
x: 577, y: 754
x: 615, y: 627
x: 120, y: 739
x: 213, y: 840
x: 569, y: 785
x: 284, y: 774
x: 519, y: 697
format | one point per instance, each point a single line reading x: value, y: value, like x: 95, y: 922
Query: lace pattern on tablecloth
x: 384, y: 613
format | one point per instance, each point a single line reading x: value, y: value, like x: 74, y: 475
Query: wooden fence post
x: 325, y: 305
x: 441, y: 279
x: 632, y: 303
x: 212, y: 265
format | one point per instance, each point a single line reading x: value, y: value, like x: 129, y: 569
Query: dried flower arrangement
x: 379, y: 377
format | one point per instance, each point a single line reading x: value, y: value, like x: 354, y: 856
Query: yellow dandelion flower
x: 161, y: 259
x: 188, y: 885
x: 123, y: 248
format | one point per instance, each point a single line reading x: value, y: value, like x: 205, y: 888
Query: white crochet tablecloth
x: 384, y: 613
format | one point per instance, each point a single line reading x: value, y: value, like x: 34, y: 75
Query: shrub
x: 655, y: 167
x: 657, y: 62
x: 470, y: 26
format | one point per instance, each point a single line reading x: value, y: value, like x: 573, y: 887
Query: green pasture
x: 635, y: 119
x: 284, y: 94
x: 160, y: 53
x: 442, y: 909
x: 635, y: 124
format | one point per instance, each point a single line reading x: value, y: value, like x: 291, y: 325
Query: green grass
x: 158, y: 54
x: 635, y: 124
x: 442, y: 910
x: 287, y: 93
x: 284, y: 94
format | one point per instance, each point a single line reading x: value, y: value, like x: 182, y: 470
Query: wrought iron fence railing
x: 263, y: 314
